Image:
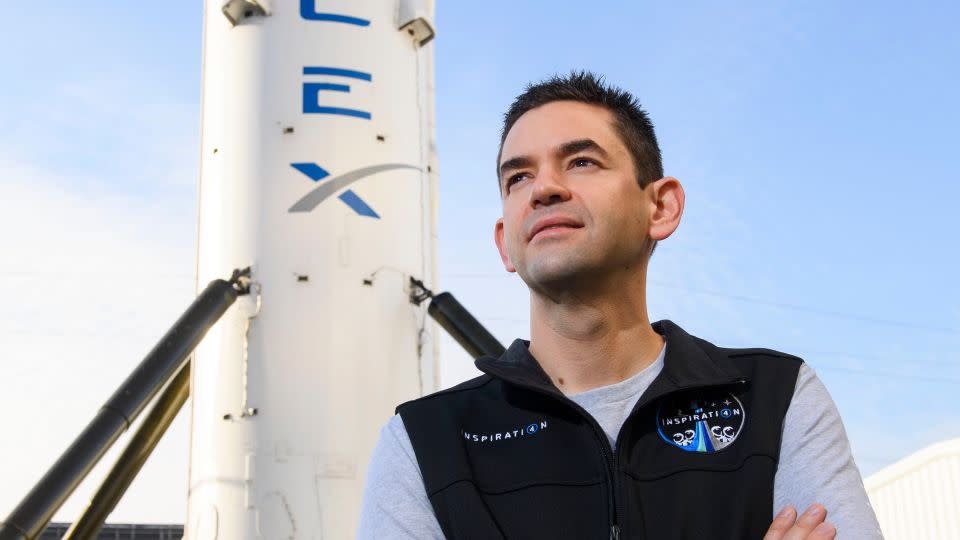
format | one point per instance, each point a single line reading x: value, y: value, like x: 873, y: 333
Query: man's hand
x: 811, y: 525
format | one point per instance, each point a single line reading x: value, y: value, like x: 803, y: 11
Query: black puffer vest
x: 507, y: 455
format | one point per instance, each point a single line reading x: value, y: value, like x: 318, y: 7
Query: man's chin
x: 556, y: 273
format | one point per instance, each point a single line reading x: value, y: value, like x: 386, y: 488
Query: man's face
x: 572, y: 207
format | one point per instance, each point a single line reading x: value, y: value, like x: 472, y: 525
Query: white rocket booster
x: 318, y: 171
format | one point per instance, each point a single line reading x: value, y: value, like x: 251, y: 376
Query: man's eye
x: 582, y: 162
x: 515, y: 178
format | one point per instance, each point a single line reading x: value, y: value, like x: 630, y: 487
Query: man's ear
x: 666, y: 201
x: 501, y: 246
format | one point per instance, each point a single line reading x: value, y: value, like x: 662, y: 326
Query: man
x: 603, y: 425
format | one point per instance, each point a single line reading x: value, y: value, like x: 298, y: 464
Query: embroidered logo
x: 703, y: 422
x: 523, y: 431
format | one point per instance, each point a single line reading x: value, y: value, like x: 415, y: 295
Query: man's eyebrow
x: 518, y: 162
x: 580, y: 145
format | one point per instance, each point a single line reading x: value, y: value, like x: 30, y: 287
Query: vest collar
x: 689, y: 363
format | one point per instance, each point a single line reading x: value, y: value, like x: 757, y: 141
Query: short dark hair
x: 631, y: 122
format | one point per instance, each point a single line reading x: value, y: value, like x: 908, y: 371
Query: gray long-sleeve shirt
x: 815, y: 463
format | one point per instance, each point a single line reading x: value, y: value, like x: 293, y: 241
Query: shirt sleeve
x: 395, y: 503
x: 816, y: 464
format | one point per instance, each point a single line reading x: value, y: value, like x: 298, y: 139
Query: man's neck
x: 585, y: 341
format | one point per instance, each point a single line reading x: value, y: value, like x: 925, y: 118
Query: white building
x: 919, y: 496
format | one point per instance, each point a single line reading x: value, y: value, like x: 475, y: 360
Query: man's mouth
x: 553, y: 225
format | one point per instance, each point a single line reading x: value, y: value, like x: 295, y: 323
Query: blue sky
x: 814, y: 140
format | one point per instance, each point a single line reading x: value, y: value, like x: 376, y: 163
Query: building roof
x: 918, y: 496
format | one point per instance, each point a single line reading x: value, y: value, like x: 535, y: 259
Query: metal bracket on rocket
x: 240, y: 279
x: 456, y: 320
x: 418, y: 291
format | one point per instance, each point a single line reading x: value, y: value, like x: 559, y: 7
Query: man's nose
x: 548, y: 189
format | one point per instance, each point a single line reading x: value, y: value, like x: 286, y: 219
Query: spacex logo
x: 329, y: 186
x: 524, y: 431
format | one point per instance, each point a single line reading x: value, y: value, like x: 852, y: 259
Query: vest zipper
x: 608, y: 454
x: 610, y: 462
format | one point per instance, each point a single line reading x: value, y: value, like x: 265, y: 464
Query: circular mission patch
x: 700, y: 421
